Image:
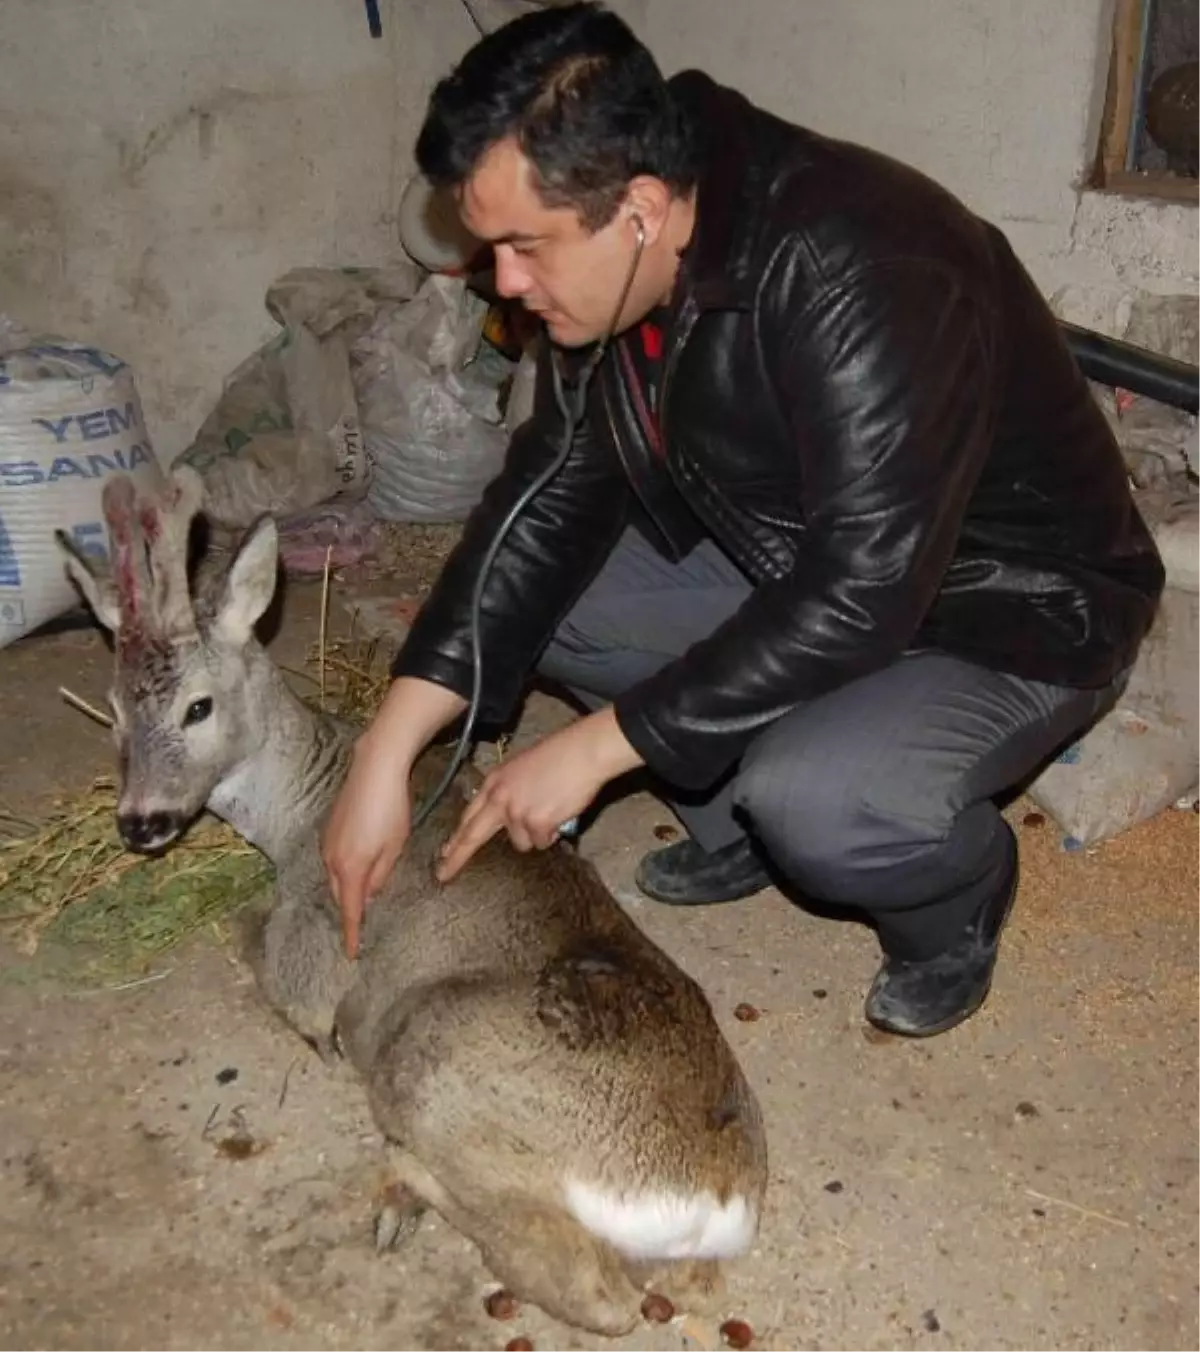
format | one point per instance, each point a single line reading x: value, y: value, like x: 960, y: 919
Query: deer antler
x: 130, y: 574
x: 149, y: 534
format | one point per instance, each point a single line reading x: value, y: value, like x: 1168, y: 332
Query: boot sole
x: 942, y: 1026
x: 720, y: 899
x: 977, y: 1002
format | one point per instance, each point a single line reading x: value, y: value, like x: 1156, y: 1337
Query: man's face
x: 545, y: 256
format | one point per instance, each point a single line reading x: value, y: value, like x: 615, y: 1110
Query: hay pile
x: 349, y: 675
x: 72, y: 878
x: 68, y: 881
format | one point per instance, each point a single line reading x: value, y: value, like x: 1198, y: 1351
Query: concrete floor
x: 1026, y: 1181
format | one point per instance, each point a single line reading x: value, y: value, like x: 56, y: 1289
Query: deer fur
x: 546, y: 1077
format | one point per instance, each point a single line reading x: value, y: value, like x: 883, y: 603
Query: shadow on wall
x: 159, y: 172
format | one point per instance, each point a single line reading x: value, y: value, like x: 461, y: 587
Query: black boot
x: 921, y: 998
x: 685, y: 875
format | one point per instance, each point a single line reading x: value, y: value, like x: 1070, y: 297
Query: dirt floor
x: 179, y: 1172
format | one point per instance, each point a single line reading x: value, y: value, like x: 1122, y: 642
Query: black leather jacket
x: 868, y: 404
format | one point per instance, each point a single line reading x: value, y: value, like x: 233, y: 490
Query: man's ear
x: 249, y: 584
x: 93, y: 580
x: 649, y: 199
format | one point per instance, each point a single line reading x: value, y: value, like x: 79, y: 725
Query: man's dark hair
x: 582, y: 97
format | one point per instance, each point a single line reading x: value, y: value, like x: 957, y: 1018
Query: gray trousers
x: 878, y: 796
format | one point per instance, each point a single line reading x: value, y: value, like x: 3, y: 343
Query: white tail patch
x: 664, y: 1224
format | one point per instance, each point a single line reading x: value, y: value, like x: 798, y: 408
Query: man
x: 842, y: 550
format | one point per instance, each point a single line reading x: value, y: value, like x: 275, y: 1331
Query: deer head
x: 182, y: 693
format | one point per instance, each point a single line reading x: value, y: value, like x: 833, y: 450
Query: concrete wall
x: 998, y: 99
x: 162, y: 161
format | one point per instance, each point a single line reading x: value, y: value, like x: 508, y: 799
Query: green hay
x: 150, y: 911
x: 71, y: 882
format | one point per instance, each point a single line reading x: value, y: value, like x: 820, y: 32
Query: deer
x: 544, y: 1076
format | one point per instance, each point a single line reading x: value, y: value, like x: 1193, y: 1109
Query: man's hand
x: 372, y: 815
x: 534, y: 792
x: 366, y: 831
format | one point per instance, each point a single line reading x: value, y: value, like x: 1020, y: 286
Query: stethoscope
x: 571, y: 404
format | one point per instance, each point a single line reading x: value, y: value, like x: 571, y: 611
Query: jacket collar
x: 715, y: 271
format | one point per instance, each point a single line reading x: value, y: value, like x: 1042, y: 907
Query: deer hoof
x: 398, y: 1217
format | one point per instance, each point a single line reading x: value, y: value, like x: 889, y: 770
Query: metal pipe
x: 1136, y: 369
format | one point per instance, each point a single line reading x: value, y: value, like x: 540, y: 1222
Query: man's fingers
x: 543, y: 836
x: 350, y: 905
x: 462, y: 848
x: 345, y: 900
x: 470, y: 836
x: 476, y: 803
x: 521, y: 839
x: 378, y: 876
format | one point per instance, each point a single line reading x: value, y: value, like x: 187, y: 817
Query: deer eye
x: 197, y: 711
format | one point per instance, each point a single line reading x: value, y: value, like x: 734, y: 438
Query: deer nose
x: 148, y: 831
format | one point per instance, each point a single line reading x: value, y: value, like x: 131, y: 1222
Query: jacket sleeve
x: 883, y: 380
x: 549, y: 555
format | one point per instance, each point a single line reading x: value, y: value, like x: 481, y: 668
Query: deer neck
x: 280, y: 790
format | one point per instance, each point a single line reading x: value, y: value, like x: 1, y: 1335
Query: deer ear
x: 249, y: 584
x: 92, y: 578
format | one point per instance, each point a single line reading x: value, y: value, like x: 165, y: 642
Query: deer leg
x: 696, y: 1285
x: 544, y: 1256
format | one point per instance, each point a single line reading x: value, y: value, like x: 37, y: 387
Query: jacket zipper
x: 619, y: 443
x: 687, y: 325
x: 654, y: 434
x: 649, y: 428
